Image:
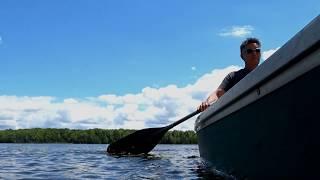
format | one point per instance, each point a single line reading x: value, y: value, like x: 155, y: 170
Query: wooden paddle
x: 143, y: 141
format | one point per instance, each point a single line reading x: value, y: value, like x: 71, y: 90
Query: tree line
x: 90, y: 136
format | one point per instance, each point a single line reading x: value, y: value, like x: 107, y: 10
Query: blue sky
x: 112, y: 64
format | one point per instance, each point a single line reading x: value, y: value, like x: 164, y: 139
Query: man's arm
x: 213, y: 97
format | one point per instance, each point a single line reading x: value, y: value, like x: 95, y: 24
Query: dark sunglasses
x: 249, y: 51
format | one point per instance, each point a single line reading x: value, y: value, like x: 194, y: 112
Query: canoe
x: 268, y: 125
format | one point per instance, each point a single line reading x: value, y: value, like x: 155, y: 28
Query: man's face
x: 252, y: 54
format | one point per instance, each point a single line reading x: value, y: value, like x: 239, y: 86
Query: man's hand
x: 214, y: 96
x: 203, y: 106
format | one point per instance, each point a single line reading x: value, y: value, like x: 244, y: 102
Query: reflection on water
x: 74, y: 161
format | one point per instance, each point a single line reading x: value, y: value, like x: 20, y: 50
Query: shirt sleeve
x: 226, y: 84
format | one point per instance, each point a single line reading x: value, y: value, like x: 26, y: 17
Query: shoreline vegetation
x: 89, y: 136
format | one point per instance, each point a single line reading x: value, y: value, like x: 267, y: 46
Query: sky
x: 131, y: 63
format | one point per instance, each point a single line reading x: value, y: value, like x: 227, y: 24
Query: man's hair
x: 248, y: 41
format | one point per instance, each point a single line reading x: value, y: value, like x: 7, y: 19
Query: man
x: 250, y: 52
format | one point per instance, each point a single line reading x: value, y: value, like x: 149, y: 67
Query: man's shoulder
x: 240, y: 71
x: 237, y: 74
x: 234, y: 73
x: 232, y: 78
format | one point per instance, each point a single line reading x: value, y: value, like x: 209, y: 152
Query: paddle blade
x: 143, y: 141
x: 139, y: 142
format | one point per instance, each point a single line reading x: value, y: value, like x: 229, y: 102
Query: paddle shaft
x: 183, y: 119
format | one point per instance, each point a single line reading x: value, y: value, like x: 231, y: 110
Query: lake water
x: 86, y: 161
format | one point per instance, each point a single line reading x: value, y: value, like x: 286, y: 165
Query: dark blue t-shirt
x: 233, y: 78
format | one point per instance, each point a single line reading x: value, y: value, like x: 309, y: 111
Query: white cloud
x: 268, y: 53
x: 237, y: 31
x: 152, y: 107
x: 70, y: 101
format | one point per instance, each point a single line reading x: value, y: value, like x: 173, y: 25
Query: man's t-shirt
x: 233, y: 78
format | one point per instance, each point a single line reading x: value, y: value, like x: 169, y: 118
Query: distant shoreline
x: 89, y: 136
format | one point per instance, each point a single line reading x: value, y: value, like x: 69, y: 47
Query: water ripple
x: 82, y: 161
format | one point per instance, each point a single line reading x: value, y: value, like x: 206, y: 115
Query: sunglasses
x: 249, y: 51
